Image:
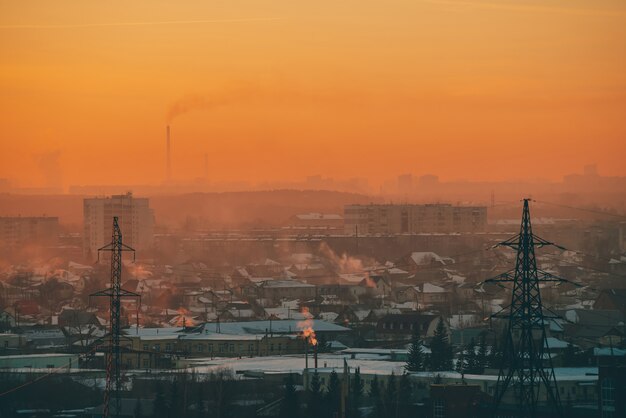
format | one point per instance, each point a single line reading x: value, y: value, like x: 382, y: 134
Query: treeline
x: 393, y: 399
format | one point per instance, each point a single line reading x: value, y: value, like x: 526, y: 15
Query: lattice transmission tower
x: 526, y: 366
x: 115, y: 293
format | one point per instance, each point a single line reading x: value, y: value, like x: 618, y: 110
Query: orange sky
x: 350, y: 88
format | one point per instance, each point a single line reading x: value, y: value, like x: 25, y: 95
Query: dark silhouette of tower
x: 526, y: 368
x: 115, y: 293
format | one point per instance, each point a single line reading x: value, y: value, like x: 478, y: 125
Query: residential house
x: 403, y: 326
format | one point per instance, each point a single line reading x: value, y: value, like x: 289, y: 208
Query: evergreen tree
x: 416, y: 360
x: 497, y: 351
x: 290, y: 407
x: 391, y: 397
x: 441, y: 351
x: 356, y: 393
x: 470, y: 356
x: 481, y: 357
x: 461, y: 362
x: 175, y: 400
x: 200, y: 408
x: 492, y: 358
x: 221, y: 391
x: 314, y: 395
x: 333, y: 394
x: 376, y: 398
x: 160, y: 405
x: 405, y: 394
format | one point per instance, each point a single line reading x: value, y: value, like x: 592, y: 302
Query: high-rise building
x: 135, y: 218
x: 411, y: 219
x: 18, y: 230
x: 405, y: 183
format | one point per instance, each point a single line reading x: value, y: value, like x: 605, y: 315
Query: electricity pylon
x: 526, y: 365
x: 115, y: 293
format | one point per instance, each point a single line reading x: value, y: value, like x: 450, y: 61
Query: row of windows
x: 403, y: 325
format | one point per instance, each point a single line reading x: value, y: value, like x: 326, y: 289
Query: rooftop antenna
x: 115, y: 293
x: 525, y: 339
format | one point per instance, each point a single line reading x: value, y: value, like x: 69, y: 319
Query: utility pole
x: 115, y: 293
x: 522, y: 368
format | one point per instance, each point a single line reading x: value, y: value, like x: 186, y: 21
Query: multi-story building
x: 19, y: 230
x: 135, y: 218
x: 400, y: 219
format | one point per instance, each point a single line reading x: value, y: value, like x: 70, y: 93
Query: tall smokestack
x: 169, y: 155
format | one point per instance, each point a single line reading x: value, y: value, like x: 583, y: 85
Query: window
x: 200, y: 348
x: 168, y: 347
x: 146, y: 347
x: 146, y: 363
x: 439, y: 409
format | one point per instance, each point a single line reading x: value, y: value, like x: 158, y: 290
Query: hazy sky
x: 282, y: 89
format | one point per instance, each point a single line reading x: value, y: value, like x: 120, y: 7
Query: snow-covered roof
x: 336, y: 345
x: 285, y: 283
x: 353, y: 277
x: 287, y: 313
x: 608, y: 351
x: 555, y: 343
x: 328, y: 316
x: 277, y: 327
x: 431, y: 288
x: 423, y: 258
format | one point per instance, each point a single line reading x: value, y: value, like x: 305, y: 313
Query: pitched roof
x: 424, y: 258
